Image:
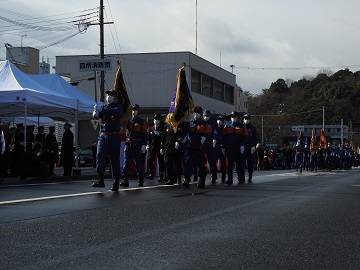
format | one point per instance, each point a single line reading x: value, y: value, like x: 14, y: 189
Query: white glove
x: 214, y: 143
x: 147, y: 147
x: 96, y: 111
x: 162, y: 152
x: 157, y: 133
x: 252, y: 150
x: 143, y: 148
x: 223, y: 151
x: 203, y: 139
x: 177, y: 145
x: 242, y: 149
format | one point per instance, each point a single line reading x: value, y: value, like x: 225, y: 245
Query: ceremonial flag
x: 313, y: 140
x: 2, y: 138
x: 182, y: 103
x: 120, y: 88
x: 323, y: 143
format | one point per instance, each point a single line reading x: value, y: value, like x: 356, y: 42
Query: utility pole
x: 102, y: 73
x: 196, y: 24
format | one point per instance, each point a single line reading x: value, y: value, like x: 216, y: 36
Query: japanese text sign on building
x: 95, y: 65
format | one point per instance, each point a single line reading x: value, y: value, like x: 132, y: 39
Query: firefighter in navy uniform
x: 154, y: 144
x: 173, y: 149
x: 232, y: 143
x: 109, y: 138
x: 209, y: 146
x: 135, y: 146
x: 199, y: 131
x: 219, y: 155
x: 250, y: 141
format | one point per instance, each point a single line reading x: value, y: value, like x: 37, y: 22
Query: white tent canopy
x: 56, y: 83
x: 22, y: 96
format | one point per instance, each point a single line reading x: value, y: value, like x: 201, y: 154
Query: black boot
x: 170, y: 181
x: 178, y: 179
x: 223, y: 178
x: 125, y: 183
x: 241, y: 179
x: 213, y: 179
x: 99, y: 183
x: 186, y: 182
x: 141, y: 182
x: 201, y: 183
x: 115, y: 186
x: 229, y: 181
x: 250, y: 178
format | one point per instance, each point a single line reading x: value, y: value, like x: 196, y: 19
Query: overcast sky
x: 263, y: 39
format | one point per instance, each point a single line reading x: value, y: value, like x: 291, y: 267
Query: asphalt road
x: 283, y: 220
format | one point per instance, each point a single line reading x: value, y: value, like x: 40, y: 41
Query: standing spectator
x: 67, y: 151
x: 154, y: 144
x: 135, y: 146
x: 30, y: 137
x: 17, y: 149
x: 52, y: 147
x: 109, y: 138
x: 41, y: 136
x: 250, y: 141
x: 299, y: 154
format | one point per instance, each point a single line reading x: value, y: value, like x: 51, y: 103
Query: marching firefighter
x: 135, y: 146
x: 109, y: 138
x: 154, y: 145
x: 199, y: 130
x: 250, y: 141
x: 232, y: 143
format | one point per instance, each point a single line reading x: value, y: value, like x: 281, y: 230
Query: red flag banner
x: 120, y: 88
x: 323, y: 143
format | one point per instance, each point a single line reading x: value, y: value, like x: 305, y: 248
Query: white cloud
x: 260, y: 34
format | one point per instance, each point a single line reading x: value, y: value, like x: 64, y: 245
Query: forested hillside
x: 301, y: 102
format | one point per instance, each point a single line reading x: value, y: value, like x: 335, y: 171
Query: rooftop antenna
x: 22, y: 36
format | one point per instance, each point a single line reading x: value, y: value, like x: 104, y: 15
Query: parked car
x: 85, y: 157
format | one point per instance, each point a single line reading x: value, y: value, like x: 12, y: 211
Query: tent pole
x: 25, y: 126
x: 77, y: 133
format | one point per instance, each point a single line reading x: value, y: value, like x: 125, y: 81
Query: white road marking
x: 75, y: 195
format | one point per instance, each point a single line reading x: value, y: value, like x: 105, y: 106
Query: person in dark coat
x: 32, y: 164
x: 67, y: 151
x: 52, y: 148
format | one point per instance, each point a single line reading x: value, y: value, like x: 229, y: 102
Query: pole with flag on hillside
x: 323, y: 143
x: 120, y: 88
x: 182, y: 103
x: 313, y: 140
